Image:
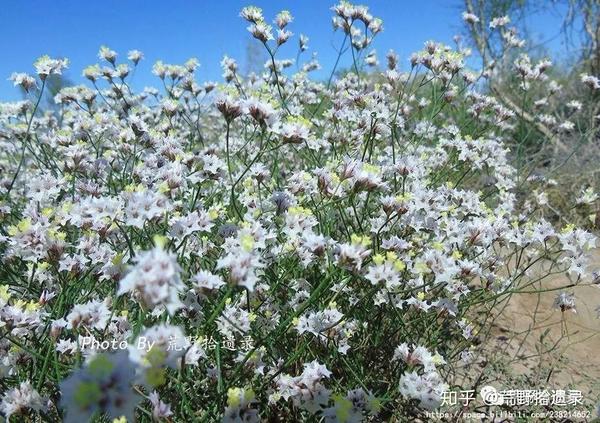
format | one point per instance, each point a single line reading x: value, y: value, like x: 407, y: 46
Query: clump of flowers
x: 18, y: 400
x: 272, y: 246
x: 155, y: 281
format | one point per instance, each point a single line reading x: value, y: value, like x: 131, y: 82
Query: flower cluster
x: 353, y: 230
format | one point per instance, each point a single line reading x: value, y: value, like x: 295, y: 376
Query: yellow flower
x: 32, y: 306
x: 365, y: 241
x: 367, y: 167
x: 56, y: 234
x: 403, y: 197
x: 299, y: 120
x: 213, y: 213
x: 299, y: 211
x: 288, y: 247
x: 227, y: 89
x: 247, y: 183
x: 233, y: 397
x: 163, y: 187
x: 22, y: 226
x: 438, y: 246
x: 399, y: 265
x: 437, y: 359
x: 67, y: 206
x: 567, y: 229
x: 421, y: 267
x: 118, y: 259
x: 247, y: 242
x: 4, y: 294
x: 160, y: 241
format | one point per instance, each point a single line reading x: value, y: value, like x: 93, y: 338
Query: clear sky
x: 175, y: 30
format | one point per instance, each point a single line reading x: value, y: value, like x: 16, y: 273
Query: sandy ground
x: 537, y: 337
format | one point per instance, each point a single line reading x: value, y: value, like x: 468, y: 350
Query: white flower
x: 303, y: 42
x: 160, y: 410
x: 242, y: 260
x: 470, y: 18
x: 93, y: 315
x: 17, y: 400
x: 252, y: 14
x: 27, y: 82
x: 427, y: 388
x: 234, y: 320
x: 261, y: 111
x: 499, y: 22
x: 283, y: 18
x: 565, y: 301
x: 107, y: 54
x: 418, y: 356
x: 46, y: 66
x: 155, y: 280
x: 135, y: 56
x: 206, y: 280
x: 588, y: 196
x: 306, y: 390
x: 261, y: 31
x: 591, y: 81
x: 328, y: 325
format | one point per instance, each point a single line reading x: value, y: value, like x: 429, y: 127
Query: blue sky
x: 176, y: 30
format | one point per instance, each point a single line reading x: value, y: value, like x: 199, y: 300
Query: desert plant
x: 271, y: 247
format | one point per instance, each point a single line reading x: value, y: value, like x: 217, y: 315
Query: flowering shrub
x: 269, y: 248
